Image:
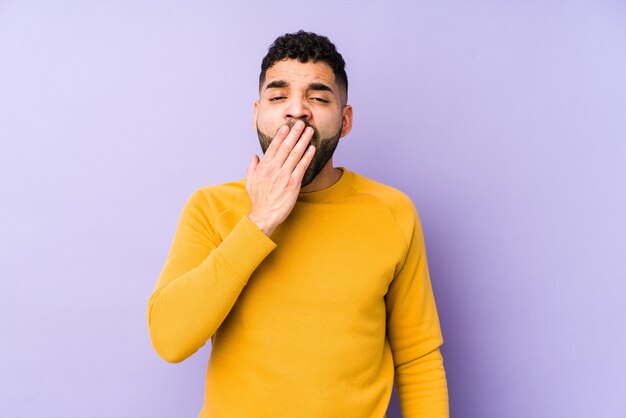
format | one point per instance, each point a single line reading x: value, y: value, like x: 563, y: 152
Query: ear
x: 255, y: 114
x: 346, y: 120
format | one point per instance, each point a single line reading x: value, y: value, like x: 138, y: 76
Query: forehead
x: 295, y: 72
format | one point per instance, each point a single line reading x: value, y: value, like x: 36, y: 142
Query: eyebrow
x: 320, y: 87
x: 277, y: 84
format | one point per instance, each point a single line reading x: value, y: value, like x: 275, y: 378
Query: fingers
x: 303, y: 164
x: 274, y: 181
x: 276, y: 142
x: 295, y: 154
x: 284, y: 149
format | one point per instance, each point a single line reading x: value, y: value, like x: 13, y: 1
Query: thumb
x: 252, y: 166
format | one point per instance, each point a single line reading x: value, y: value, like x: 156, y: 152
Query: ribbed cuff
x: 244, y: 248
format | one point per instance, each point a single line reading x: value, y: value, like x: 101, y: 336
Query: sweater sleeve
x: 414, y: 333
x: 202, y: 278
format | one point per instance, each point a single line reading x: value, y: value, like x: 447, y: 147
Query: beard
x: 324, y: 149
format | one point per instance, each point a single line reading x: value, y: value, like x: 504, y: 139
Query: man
x: 310, y: 280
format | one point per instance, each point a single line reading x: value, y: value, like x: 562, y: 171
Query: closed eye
x: 277, y: 98
x: 319, y: 99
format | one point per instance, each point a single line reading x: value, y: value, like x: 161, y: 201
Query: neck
x: 326, y: 178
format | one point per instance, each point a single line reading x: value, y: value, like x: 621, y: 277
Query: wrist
x: 266, y: 227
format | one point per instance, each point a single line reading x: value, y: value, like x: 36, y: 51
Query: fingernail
x: 284, y: 129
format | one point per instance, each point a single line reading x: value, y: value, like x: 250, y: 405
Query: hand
x: 274, y: 182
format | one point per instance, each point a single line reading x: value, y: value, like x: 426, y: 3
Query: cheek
x: 330, y: 126
x: 267, y: 121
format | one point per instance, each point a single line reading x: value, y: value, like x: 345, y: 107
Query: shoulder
x: 387, y: 195
x: 398, y: 203
x: 219, y: 197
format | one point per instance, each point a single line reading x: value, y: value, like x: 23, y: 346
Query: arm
x: 203, y: 275
x: 415, y: 335
x: 201, y: 280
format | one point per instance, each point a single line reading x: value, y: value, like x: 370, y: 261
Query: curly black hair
x: 305, y: 46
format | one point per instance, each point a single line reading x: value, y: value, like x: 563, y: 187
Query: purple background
x: 506, y: 124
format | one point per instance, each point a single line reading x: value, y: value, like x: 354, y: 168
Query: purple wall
x: 506, y: 123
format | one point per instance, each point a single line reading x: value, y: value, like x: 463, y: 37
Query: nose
x: 297, y: 108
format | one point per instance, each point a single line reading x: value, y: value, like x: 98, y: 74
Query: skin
x: 324, y: 150
x: 293, y: 90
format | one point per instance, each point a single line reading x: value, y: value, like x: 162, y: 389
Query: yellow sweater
x: 313, y: 322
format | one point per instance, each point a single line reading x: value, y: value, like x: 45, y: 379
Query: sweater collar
x: 337, y: 190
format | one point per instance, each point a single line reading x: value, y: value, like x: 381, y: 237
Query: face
x: 308, y: 91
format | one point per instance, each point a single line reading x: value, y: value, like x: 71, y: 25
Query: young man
x: 310, y: 280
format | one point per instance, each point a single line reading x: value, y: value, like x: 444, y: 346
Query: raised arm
x: 201, y: 280
x: 204, y: 275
